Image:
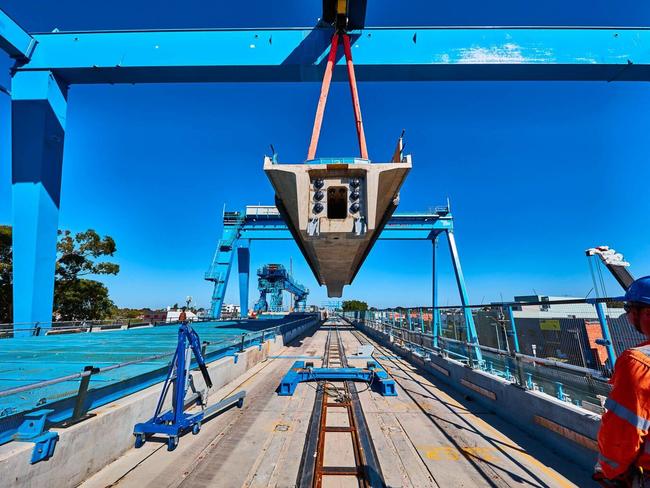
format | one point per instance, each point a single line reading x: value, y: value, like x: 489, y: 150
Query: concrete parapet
x: 562, y: 426
x: 85, y: 448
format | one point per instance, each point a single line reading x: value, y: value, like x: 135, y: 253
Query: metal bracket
x: 33, y: 430
x: 313, y: 227
x: 359, y: 226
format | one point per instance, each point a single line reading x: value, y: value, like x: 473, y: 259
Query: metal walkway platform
x: 427, y: 436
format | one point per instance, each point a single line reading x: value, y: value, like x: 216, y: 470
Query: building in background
x: 565, y: 332
x: 167, y: 316
x: 230, y: 311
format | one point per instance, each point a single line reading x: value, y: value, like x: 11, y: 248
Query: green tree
x: 354, y: 306
x: 6, y: 283
x: 77, y: 298
x: 82, y: 299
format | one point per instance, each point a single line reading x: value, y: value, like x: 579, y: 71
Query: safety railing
x: 563, y: 347
x: 72, y: 396
x: 8, y: 330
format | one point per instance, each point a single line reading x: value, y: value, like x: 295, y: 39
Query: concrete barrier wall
x: 563, y: 427
x: 87, y: 447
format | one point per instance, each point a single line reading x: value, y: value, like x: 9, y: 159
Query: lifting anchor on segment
x: 177, y: 421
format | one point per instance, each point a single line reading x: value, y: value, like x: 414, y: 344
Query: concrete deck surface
x: 426, y: 436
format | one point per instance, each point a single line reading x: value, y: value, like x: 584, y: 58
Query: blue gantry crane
x: 273, y: 280
x: 48, y: 64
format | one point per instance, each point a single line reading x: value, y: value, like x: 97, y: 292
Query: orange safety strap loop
x: 355, y: 97
x: 322, y: 101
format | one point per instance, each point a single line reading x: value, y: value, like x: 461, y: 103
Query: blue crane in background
x: 273, y: 280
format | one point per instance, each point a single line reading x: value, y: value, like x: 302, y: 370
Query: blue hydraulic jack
x: 373, y: 374
x: 175, y: 422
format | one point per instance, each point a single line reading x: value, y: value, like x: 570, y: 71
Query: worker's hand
x: 598, y: 476
x: 602, y: 481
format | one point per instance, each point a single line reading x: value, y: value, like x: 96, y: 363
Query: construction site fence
x: 563, y: 347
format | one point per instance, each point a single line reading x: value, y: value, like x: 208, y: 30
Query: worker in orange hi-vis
x: 182, y: 317
x: 623, y: 442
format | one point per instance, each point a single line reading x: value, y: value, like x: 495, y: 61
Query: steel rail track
x: 366, y: 466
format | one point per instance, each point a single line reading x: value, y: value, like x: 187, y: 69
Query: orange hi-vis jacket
x: 623, y: 436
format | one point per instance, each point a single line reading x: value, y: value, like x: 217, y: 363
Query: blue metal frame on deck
x: 265, y: 223
x: 373, y: 374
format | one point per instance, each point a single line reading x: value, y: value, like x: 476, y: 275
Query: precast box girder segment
x: 335, y: 212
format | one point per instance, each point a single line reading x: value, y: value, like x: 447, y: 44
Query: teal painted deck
x: 25, y: 361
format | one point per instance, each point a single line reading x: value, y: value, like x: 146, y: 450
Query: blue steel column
x: 607, y: 337
x: 513, y: 326
x: 38, y: 112
x: 243, y: 266
x: 435, y: 319
x: 460, y: 280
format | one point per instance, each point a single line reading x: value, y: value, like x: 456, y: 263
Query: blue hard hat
x: 639, y: 291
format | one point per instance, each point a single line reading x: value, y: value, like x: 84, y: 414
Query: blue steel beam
x: 399, y: 227
x: 380, y: 54
x: 14, y: 40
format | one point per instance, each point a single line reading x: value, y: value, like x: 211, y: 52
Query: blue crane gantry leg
x: 472, y: 336
x: 243, y: 267
x: 46, y: 64
x: 38, y: 115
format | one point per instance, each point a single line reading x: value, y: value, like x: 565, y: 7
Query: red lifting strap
x: 325, y: 88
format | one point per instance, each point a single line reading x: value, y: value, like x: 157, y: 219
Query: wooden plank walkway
x: 427, y: 436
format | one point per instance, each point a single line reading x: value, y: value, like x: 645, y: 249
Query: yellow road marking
x: 449, y: 453
x: 515, y: 450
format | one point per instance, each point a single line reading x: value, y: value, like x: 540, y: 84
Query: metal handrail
x: 525, y: 357
x: 54, y: 381
x: 568, y: 301
x: 95, y: 324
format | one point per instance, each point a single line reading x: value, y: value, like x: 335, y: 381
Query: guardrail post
x: 529, y: 381
x: 470, y: 359
x: 435, y: 325
x: 204, y: 348
x: 559, y: 390
x: 421, y: 320
x: 80, y: 402
x: 408, y: 318
x: 243, y: 342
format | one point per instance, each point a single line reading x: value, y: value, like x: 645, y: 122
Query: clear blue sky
x: 536, y: 172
